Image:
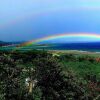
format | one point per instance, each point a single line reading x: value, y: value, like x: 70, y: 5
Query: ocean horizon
x: 92, y: 46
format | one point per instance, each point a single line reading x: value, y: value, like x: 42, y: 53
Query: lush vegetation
x: 39, y: 75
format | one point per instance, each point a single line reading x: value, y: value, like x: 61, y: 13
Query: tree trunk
x: 30, y: 87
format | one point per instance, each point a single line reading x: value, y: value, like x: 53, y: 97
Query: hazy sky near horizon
x: 24, y: 20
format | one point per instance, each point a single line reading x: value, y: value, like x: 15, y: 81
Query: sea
x: 92, y: 46
x: 95, y: 47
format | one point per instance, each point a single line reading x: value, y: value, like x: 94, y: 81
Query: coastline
x: 75, y: 52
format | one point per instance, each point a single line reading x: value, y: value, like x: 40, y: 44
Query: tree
x: 51, y: 80
x: 9, y: 77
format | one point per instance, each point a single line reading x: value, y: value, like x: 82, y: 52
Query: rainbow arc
x: 58, y: 36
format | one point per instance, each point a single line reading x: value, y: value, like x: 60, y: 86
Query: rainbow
x: 58, y: 36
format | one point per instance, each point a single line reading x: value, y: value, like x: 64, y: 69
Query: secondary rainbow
x: 65, y: 35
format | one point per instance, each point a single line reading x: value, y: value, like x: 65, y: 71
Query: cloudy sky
x: 24, y: 20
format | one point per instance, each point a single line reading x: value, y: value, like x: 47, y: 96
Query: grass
x: 83, y: 67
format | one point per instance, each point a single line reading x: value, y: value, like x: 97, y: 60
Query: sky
x: 25, y: 20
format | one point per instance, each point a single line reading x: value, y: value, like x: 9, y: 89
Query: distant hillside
x: 2, y: 43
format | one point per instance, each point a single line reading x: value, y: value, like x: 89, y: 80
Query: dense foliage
x: 39, y: 75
